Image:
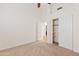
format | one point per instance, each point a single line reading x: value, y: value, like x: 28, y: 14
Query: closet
x: 63, y: 13
x: 68, y: 29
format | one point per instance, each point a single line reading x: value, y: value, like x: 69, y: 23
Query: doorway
x: 42, y: 31
x: 55, y: 31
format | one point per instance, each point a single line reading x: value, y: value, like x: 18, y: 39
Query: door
x: 65, y: 30
x: 55, y: 31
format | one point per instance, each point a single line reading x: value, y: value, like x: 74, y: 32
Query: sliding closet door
x: 65, y: 27
x: 76, y: 27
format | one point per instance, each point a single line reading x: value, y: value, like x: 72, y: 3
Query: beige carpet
x: 38, y: 49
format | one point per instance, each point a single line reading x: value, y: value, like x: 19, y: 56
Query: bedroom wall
x: 18, y: 24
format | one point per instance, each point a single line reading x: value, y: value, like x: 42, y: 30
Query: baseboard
x: 19, y: 44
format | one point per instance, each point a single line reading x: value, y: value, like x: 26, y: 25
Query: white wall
x: 18, y: 24
x: 39, y: 31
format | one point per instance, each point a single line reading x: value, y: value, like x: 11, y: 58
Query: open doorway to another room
x: 42, y: 31
x: 55, y: 25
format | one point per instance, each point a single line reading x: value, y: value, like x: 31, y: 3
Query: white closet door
x: 76, y: 27
x: 65, y: 28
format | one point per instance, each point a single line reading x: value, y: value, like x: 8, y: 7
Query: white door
x: 65, y: 28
